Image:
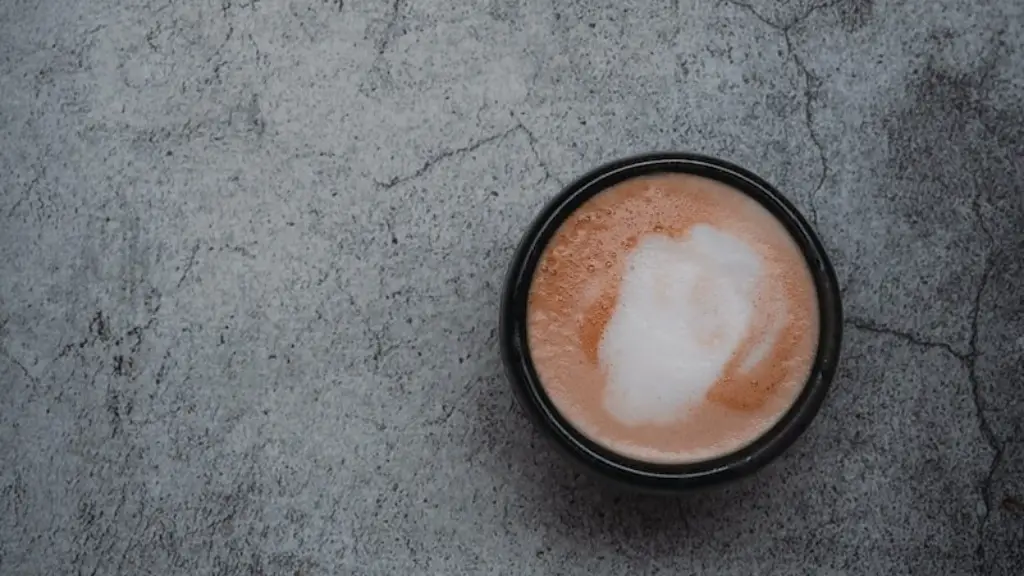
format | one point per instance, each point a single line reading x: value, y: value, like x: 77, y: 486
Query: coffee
x: 672, y: 319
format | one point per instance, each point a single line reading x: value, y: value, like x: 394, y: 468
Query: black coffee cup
x: 645, y: 475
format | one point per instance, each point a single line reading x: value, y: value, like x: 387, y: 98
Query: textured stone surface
x: 250, y: 255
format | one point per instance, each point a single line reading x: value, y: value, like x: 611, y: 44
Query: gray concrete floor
x: 250, y: 256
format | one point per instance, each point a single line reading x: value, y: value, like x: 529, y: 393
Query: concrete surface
x: 250, y: 255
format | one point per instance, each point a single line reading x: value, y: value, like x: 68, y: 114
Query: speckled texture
x: 250, y: 256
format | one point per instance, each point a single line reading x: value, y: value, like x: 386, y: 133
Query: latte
x: 672, y: 319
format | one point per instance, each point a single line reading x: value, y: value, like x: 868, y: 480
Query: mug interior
x: 527, y: 385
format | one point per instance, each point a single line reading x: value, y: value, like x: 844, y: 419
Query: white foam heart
x: 684, y: 306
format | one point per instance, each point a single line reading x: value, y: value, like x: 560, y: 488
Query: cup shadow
x: 564, y: 498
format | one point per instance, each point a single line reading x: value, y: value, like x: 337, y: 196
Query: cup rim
x: 659, y: 476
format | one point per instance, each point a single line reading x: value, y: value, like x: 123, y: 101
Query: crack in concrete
x: 21, y: 366
x: 532, y: 141
x: 869, y: 326
x: 678, y: 28
x: 775, y: 25
x: 188, y: 265
x: 983, y: 423
x: 969, y: 361
x: 973, y: 352
x: 810, y: 86
x: 389, y: 35
x: 27, y: 193
x: 753, y: 11
x: 430, y: 163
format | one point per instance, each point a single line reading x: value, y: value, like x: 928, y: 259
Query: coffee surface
x: 672, y: 319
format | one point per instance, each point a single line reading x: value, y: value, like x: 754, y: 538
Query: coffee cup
x: 671, y: 321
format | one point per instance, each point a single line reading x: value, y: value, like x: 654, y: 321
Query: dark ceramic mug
x: 635, y: 473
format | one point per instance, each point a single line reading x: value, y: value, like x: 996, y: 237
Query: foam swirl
x: 685, y: 305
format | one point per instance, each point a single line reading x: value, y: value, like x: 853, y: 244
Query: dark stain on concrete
x: 99, y: 327
x: 855, y: 14
x: 955, y: 153
x: 114, y: 410
x: 950, y: 138
x: 505, y: 10
x: 940, y: 158
x: 1014, y: 505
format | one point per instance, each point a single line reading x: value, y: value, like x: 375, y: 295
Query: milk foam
x: 684, y: 307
